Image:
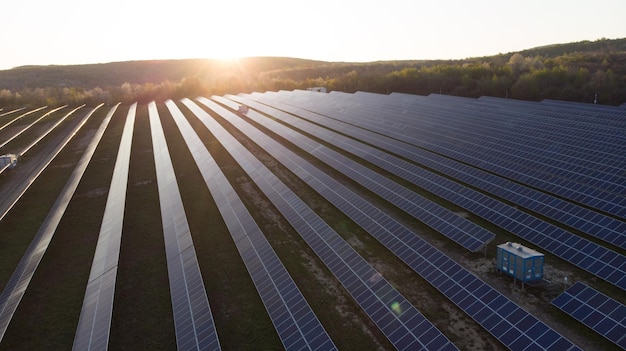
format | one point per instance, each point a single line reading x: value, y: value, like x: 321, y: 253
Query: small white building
x: 8, y: 159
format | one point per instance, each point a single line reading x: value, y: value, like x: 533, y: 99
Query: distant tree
x: 516, y: 63
x: 525, y: 88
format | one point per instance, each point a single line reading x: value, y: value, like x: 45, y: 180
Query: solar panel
x: 404, y: 326
x: 3, y: 114
x: 597, y: 311
x: 447, y: 143
x: 598, y: 225
x: 17, y: 284
x: 192, y: 314
x: 94, y: 323
x: 466, y: 132
x: 21, y: 131
x: 456, y: 228
x: 587, y: 255
x: 295, y: 322
x: 584, y: 133
x: 453, y: 280
x: 553, y: 123
x: 21, y: 116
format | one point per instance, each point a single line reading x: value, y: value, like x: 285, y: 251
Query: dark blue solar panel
x: 585, y: 254
x: 295, y: 322
x: 604, y: 315
x: 449, y: 224
x: 417, y: 253
x: 92, y: 332
x: 365, y: 118
x: 349, y: 268
x: 10, y: 138
x: 16, y: 286
x: 189, y: 300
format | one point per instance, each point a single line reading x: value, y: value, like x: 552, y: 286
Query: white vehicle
x: 242, y: 109
x: 8, y: 159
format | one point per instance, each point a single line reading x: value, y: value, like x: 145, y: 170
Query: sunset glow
x: 76, y: 32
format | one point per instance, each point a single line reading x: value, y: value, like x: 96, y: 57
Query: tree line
x: 583, y: 72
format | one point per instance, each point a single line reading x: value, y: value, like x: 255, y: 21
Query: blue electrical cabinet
x: 520, y: 262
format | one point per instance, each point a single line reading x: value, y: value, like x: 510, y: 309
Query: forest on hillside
x: 587, y: 71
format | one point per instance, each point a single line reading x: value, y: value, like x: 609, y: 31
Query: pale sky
x: 44, y: 32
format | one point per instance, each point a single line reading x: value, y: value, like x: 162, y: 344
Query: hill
x: 586, y: 71
x: 135, y: 72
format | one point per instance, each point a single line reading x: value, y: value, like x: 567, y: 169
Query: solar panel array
x: 9, y: 200
x: 295, y: 322
x: 21, y: 131
x: 404, y: 326
x: 509, y: 323
x: 451, y: 225
x: 569, y: 165
x: 600, y: 261
x: 597, y: 311
x: 476, y: 148
x: 193, y: 320
x: 581, y: 218
x: 47, y: 131
x: 4, y: 114
x: 16, y: 286
x: 528, y: 145
x: 549, y: 172
x: 40, y: 136
x: 21, y: 116
x: 94, y: 323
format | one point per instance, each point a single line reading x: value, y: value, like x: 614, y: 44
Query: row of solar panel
x: 404, y: 326
x: 10, y: 199
x: 538, y: 127
x: 29, y: 124
x: 514, y: 157
x: 581, y: 171
x: 608, y: 229
x: 193, y: 320
x: 602, y: 117
x: 597, y: 311
x: 577, y: 217
x: 581, y: 252
x: 11, y: 119
x: 456, y: 228
x: 390, y: 107
x: 487, y: 160
x: 295, y: 322
x: 20, y: 279
x: 598, y: 192
x: 523, y: 114
x: 586, y: 161
x: 540, y: 134
x: 513, y: 326
x: 39, y: 134
x: 92, y: 332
